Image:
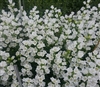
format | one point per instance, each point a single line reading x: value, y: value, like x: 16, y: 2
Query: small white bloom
x: 23, y: 71
x: 49, y: 40
x: 34, y: 34
x: 27, y: 66
x: 10, y: 1
x: 52, y: 7
x: 10, y: 68
x: 88, y: 1
x: 22, y: 59
x: 2, y: 72
x: 5, y: 77
x: 99, y: 5
x: 80, y: 54
x: 98, y: 56
x: 41, y: 53
x: 82, y: 84
x: 91, y: 31
x: 34, y: 42
x: 68, y: 31
x: 54, y: 49
x: 30, y: 22
x: 58, y: 60
x: 27, y: 42
x: 97, y: 62
x: 80, y: 39
x: 3, y: 64
x: 95, y: 52
x: 39, y: 37
x: 40, y: 45
x: 79, y: 46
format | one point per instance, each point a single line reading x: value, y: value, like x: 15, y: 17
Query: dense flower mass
x: 50, y: 51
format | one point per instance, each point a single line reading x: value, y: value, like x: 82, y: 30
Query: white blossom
x: 2, y: 72
x: 3, y: 64
x: 80, y: 54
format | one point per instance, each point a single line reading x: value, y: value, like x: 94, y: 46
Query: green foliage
x: 3, y: 4
x: 65, y: 5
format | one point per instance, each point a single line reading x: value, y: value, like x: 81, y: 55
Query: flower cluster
x: 50, y: 51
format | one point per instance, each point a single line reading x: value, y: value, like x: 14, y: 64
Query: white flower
x: 3, y: 64
x: 23, y: 71
x: 30, y: 85
x: 51, y: 84
x: 91, y: 82
x: 82, y: 84
x: 10, y: 1
x: 27, y: 80
x: 72, y: 45
x: 97, y: 85
x: 54, y: 49
x: 92, y: 71
x: 43, y: 61
x: 68, y: 31
x: 49, y: 40
x: 5, y: 77
x: 39, y: 37
x: 22, y: 59
x: 40, y: 44
x: 34, y: 42
x: 30, y: 22
x: 27, y: 66
x: 95, y: 52
x: 99, y: 5
x: 81, y: 39
x: 97, y: 62
x: 10, y: 68
x: 34, y: 34
x: 91, y: 31
x: 88, y: 1
x: 46, y: 69
x: 84, y: 78
x: 27, y: 42
x: 46, y: 21
x: 2, y: 72
x: 80, y: 46
x: 98, y: 56
x: 41, y: 53
x: 80, y: 54
x: 58, y: 60
x: 85, y: 71
x: 40, y: 78
x: 52, y: 7
x: 55, y: 81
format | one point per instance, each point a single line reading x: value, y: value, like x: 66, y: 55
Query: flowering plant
x: 50, y: 51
